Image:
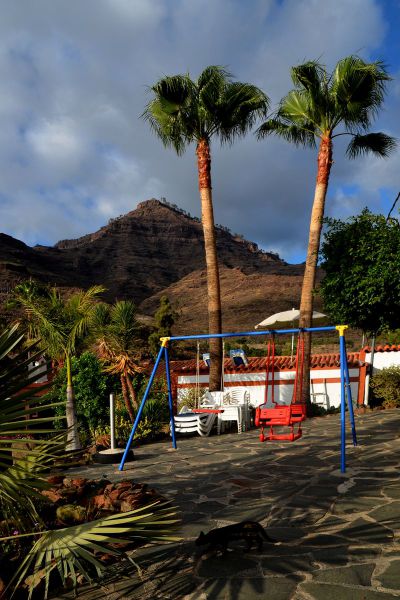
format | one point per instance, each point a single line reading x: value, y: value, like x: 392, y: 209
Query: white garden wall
x: 325, y: 385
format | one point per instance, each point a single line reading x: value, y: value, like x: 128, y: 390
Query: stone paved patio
x: 339, y: 534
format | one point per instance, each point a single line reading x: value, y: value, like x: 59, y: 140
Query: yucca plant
x: 70, y: 551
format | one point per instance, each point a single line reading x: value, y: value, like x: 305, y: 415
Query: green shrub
x: 92, y: 388
x: 155, y: 413
x: 315, y: 410
x: 386, y: 386
x: 190, y: 398
x: 391, y: 337
x: 154, y: 417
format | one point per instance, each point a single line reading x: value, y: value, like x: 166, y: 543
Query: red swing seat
x: 281, y: 415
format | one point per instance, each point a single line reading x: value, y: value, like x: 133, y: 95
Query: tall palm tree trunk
x: 307, y: 291
x: 125, y: 396
x: 73, y: 442
x: 213, y: 284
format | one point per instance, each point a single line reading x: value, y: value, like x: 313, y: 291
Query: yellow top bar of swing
x: 164, y: 341
x: 341, y: 329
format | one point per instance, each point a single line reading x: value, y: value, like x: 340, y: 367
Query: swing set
x: 267, y: 415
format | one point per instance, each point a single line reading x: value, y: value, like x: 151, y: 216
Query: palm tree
x: 184, y: 111
x: 119, y: 344
x: 60, y: 325
x: 322, y: 107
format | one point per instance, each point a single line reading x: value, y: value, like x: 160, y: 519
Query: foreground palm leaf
x: 22, y: 477
x: 73, y: 550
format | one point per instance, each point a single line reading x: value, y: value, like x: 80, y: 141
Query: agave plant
x: 70, y: 551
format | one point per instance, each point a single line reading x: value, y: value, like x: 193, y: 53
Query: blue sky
x: 74, y: 152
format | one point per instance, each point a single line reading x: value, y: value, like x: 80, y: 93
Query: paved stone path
x: 339, y: 534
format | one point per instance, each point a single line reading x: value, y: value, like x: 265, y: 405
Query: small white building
x: 384, y: 356
x: 251, y: 378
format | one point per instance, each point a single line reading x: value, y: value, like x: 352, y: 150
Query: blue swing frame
x: 345, y: 389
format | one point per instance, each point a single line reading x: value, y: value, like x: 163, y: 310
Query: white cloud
x: 74, y: 80
x: 139, y: 13
x: 56, y: 141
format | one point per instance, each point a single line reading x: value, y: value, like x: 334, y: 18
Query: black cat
x: 249, y: 531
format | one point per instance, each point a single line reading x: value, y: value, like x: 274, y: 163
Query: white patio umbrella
x: 284, y: 317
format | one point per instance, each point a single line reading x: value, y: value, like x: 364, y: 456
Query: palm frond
x: 169, y: 129
x: 379, y: 144
x: 297, y: 107
x: 358, y: 89
x: 241, y: 107
x: 168, y: 113
x: 309, y: 76
x: 184, y: 111
x: 213, y: 76
x: 75, y: 548
x: 23, y: 457
x: 20, y: 483
x: 44, y: 312
x: 209, y: 102
x: 79, y: 309
x: 289, y: 132
x: 100, y: 316
x: 9, y: 339
x: 118, y: 342
x: 176, y: 91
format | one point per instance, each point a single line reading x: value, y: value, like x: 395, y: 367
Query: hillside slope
x: 156, y: 249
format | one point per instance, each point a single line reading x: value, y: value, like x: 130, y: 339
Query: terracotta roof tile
x: 385, y: 348
x: 258, y: 363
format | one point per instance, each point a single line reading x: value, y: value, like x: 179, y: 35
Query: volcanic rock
x: 155, y: 249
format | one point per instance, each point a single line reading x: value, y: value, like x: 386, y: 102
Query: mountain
x: 158, y: 248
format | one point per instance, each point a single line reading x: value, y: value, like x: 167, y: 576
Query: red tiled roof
x: 282, y: 363
x: 385, y: 348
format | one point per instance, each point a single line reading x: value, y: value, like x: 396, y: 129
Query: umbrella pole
x: 292, y: 349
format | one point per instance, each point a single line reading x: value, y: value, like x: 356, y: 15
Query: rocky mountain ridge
x: 158, y: 248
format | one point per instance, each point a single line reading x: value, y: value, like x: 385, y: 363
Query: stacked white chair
x: 232, y: 408
x: 232, y: 411
x: 190, y: 422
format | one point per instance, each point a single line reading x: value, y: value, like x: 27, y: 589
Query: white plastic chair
x: 233, y: 410
x: 246, y: 408
x: 201, y: 423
